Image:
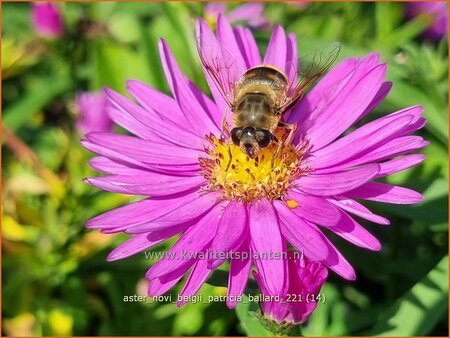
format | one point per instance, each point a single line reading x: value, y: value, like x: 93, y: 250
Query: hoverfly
x: 259, y: 96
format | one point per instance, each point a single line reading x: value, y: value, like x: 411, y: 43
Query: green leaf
x: 415, y: 313
x: 43, y: 91
x: 247, y: 314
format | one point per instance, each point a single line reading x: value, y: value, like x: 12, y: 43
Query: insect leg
x: 292, y: 128
x: 230, y: 156
x: 225, y: 127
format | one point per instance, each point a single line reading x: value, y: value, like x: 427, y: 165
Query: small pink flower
x: 250, y: 13
x: 47, y: 20
x: 93, y: 112
x: 305, y: 279
x: 439, y: 12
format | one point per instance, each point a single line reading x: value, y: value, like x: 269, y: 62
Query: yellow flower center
x: 245, y: 179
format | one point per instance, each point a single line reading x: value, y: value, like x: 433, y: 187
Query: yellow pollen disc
x: 246, y: 179
x: 292, y: 204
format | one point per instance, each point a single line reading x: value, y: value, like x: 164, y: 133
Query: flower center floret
x: 269, y: 175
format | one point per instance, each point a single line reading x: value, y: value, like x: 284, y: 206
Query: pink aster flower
x: 249, y: 13
x: 93, y: 109
x: 437, y: 10
x: 305, y: 279
x: 178, y: 160
x: 47, y: 20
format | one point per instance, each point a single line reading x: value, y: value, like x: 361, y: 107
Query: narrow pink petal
x: 134, y: 118
x: 291, y: 59
x: 379, y: 97
x: 394, y: 147
x: 359, y: 210
x: 276, y: 50
x: 158, y: 105
x: 199, y: 119
x: 105, y: 165
x: 140, y: 212
x: 230, y: 232
x: 352, y: 231
x: 385, y: 193
x: 238, y: 277
x: 399, y: 164
x: 263, y: 225
x: 159, y: 286
x: 347, y: 107
x: 142, y: 242
x: 314, y: 209
x: 227, y: 39
x: 141, y: 151
x: 184, y: 213
x: 197, y: 278
x: 193, y: 241
x: 226, y: 65
x: 357, y: 142
x: 248, y: 46
x: 335, y: 261
x: 306, y: 112
x: 148, y: 184
x: 300, y: 234
x: 336, y: 183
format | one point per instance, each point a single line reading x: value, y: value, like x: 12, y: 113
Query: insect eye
x: 236, y: 134
x: 263, y: 137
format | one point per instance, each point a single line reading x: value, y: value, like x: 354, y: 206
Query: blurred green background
x: 55, y: 278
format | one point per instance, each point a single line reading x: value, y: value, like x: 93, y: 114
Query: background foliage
x: 55, y: 277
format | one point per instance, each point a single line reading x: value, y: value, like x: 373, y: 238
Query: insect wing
x: 223, y: 68
x: 311, y: 68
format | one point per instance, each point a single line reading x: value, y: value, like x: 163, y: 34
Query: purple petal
x: 359, y: 210
x: 306, y: 112
x: 140, y: 152
x: 135, y: 119
x: 359, y: 141
x: 230, y: 232
x: 227, y: 39
x: 336, y: 183
x: 248, y: 46
x: 352, y: 231
x: 276, y: 50
x: 140, y: 212
x: 141, y: 242
x: 227, y: 67
x: 397, y: 146
x: 335, y: 261
x: 158, y: 106
x: 291, y: 59
x: 238, y: 277
x: 385, y: 193
x: 159, y: 286
x: 314, y: 209
x: 197, y: 278
x: 193, y: 241
x: 379, y: 97
x: 348, y: 106
x: 263, y: 224
x: 199, y: 119
x: 108, y: 166
x: 300, y: 234
x: 184, y: 213
x: 399, y: 164
x: 306, y: 237
x: 148, y: 184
